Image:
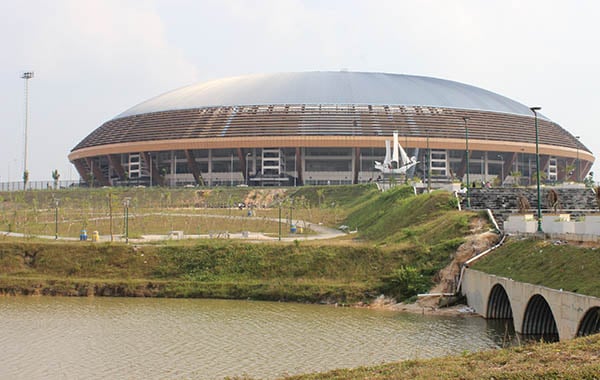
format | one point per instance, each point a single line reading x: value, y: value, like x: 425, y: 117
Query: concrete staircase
x: 503, y: 201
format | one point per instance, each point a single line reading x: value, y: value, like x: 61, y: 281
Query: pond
x: 142, y: 338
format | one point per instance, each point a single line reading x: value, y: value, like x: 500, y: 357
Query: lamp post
x: 27, y: 76
x: 578, y: 172
x: 501, y: 170
x: 537, y: 168
x: 126, y: 205
x: 279, y: 220
x: 56, y: 201
x: 247, y: 179
x: 482, y: 172
x: 466, y: 120
x: 231, y: 171
x: 150, y: 164
x: 428, y: 166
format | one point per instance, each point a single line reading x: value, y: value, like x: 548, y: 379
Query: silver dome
x: 331, y: 88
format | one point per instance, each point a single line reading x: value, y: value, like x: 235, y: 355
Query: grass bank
x: 402, y: 242
x: 575, y: 359
x: 222, y: 269
x: 557, y: 265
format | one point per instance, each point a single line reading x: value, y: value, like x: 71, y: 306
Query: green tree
x: 320, y: 196
x: 589, y: 180
x: 55, y: 177
x: 25, y: 179
x: 405, y: 282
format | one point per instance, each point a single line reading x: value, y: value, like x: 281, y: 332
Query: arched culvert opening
x: 539, y: 322
x: 590, y: 324
x: 499, y: 304
x: 500, y: 316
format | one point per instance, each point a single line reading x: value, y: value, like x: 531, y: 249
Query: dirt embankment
x: 447, y: 278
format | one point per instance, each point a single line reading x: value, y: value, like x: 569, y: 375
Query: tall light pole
x: 150, y: 164
x: 56, y: 201
x: 466, y: 120
x: 231, y: 172
x: 27, y: 76
x: 537, y: 168
x: 126, y: 205
x: 502, y: 170
x: 280, y: 220
x: 578, y: 172
x: 428, y: 166
x: 247, y: 179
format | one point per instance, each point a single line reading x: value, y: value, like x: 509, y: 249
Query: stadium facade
x: 325, y: 128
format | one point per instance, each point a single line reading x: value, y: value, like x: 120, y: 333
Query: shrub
x: 404, y: 283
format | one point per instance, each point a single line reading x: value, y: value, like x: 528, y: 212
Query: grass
x: 144, y: 222
x: 357, y: 268
x: 160, y: 210
x: 574, y: 359
x: 207, y: 269
x: 543, y: 262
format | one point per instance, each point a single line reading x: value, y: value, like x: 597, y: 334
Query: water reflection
x: 503, y: 331
x: 43, y: 337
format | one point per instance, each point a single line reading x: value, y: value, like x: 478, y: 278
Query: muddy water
x: 129, y: 338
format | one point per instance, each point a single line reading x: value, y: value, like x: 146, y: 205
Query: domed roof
x: 340, y: 87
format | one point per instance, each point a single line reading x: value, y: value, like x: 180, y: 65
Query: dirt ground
x: 480, y: 240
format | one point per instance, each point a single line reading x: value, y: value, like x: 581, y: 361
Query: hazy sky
x: 95, y: 59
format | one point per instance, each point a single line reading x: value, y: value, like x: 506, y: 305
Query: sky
x: 95, y: 59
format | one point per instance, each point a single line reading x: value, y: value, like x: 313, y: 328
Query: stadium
x: 326, y: 128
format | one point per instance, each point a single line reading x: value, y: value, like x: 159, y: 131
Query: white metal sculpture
x: 399, y: 162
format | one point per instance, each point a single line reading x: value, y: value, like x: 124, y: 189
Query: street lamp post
x: 578, y: 172
x: 501, y: 170
x: 247, y: 179
x: 56, y: 201
x: 27, y: 76
x: 428, y: 166
x: 537, y: 168
x: 126, y: 205
x: 279, y: 220
x: 466, y: 120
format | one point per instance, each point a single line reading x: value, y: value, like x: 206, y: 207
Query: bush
x: 404, y: 283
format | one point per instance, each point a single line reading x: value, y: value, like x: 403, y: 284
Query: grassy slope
x: 207, y: 269
x: 416, y: 232
x: 543, y: 262
x: 575, y: 359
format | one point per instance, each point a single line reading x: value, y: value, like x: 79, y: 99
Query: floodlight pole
x: 27, y: 76
x: 466, y: 120
x: 537, y: 167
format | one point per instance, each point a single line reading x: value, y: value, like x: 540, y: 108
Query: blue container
x: 83, y: 235
x: 293, y: 228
